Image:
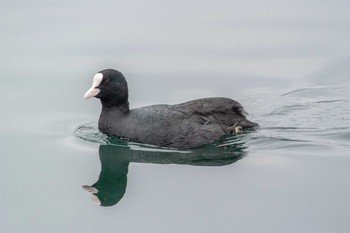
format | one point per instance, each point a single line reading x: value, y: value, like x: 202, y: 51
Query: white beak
x: 93, y: 91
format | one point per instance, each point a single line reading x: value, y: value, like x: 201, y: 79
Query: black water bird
x: 187, y: 125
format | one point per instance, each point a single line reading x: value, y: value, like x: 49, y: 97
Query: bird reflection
x: 115, y: 159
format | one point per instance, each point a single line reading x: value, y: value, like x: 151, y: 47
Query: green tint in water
x: 116, y: 154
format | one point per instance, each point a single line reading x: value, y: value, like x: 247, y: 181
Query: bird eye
x: 106, y: 81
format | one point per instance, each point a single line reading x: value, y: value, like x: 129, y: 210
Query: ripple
x: 284, y: 110
x: 331, y: 101
x: 313, y: 90
x: 89, y: 132
x: 230, y: 144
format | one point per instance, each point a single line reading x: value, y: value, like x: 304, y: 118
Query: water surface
x: 286, y: 63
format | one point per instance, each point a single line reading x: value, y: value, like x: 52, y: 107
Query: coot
x: 186, y: 125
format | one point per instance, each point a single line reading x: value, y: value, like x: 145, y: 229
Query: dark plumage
x: 187, y: 125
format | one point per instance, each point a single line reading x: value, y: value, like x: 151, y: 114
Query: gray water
x: 287, y: 63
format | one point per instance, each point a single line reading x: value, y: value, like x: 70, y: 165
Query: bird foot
x: 238, y: 129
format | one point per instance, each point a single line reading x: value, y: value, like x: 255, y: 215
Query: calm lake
x: 287, y: 63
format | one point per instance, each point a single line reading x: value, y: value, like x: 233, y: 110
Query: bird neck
x: 122, y: 106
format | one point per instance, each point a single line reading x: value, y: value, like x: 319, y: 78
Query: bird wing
x: 208, y: 106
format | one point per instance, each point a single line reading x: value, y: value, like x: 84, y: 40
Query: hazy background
x: 287, y: 62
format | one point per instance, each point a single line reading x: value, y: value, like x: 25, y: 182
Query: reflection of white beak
x: 96, y: 200
x: 93, y: 191
x: 93, y: 91
x: 90, y: 189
